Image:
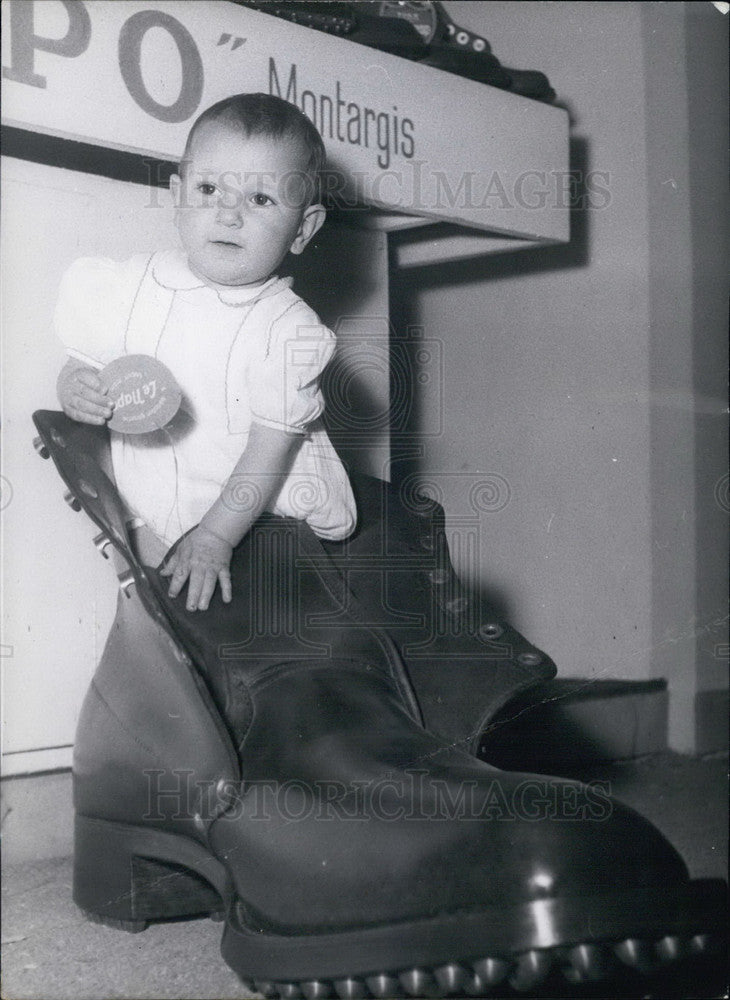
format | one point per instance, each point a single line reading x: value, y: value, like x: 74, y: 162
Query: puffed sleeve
x: 93, y: 307
x: 284, y: 390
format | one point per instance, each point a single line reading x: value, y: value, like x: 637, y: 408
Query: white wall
x: 59, y: 593
x: 685, y: 62
x: 569, y: 372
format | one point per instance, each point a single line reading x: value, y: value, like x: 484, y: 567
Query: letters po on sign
x: 25, y: 41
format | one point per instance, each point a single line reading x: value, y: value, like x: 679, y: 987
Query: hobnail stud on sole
x: 316, y: 989
x: 584, y: 963
x: 288, y: 991
x: 451, y: 977
x: 532, y: 967
x: 638, y: 954
x: 72, y: 501
x: 101, y: 542
x: 672, y: 949
x: 383, y: 986
x: 41, y: 448
x: 420, y: 983
x: 492, y: 971
x: 350, y: 989
x: 588, y: 963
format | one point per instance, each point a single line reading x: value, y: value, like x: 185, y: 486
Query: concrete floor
x: 51, y: 953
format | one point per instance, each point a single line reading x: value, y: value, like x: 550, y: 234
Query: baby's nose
x: 229, y: 212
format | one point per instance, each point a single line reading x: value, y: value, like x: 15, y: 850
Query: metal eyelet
x: 529, y: 659
x: 490, y: 631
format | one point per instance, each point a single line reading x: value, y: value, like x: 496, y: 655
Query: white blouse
x: 240, y: 355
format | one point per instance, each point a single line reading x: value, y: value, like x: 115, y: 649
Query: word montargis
x: 347, y: 121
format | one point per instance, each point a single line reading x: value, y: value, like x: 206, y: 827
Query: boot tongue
x: 291, y: 604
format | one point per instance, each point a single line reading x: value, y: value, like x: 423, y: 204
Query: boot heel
x: 118, y: 883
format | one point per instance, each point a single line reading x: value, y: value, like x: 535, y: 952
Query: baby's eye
x: 206, y: 188
x: 261, y: 199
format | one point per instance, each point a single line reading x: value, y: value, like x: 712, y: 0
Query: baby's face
x: 240, y: 205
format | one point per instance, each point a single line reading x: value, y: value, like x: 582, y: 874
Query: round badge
x: 144, y: 392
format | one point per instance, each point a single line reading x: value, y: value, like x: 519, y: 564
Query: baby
x: 246, y: 351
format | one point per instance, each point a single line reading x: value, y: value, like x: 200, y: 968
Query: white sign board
x: 134, y: 74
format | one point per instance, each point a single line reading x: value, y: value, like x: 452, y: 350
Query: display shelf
x: 404, y: 138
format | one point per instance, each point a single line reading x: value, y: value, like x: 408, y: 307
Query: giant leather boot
x: 463, y: 661
x: 276, y: 767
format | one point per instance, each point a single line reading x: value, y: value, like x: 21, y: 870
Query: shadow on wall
x: 517, y: 264
x: 407, y: 285
x: 343, y: 277
x: 707, y: 93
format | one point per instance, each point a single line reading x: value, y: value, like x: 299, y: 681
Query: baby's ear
x: 175, y: 189
x: 312, y: 221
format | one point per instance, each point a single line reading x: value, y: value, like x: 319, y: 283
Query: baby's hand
x: 82, y: 396
x: 205, y: 558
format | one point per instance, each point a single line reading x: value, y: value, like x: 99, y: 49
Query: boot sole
x: 126, y: 876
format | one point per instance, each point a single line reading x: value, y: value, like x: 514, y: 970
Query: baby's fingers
x: 177, y: 582
x: 89, y: 388
x: 85, y: 376
x: 82, y: 402
x: 99, y: 408
x: 224, y: 579
x: 201, y: 587
x: 168, y: 566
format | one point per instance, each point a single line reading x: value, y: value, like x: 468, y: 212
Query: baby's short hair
x: 266, y: 115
